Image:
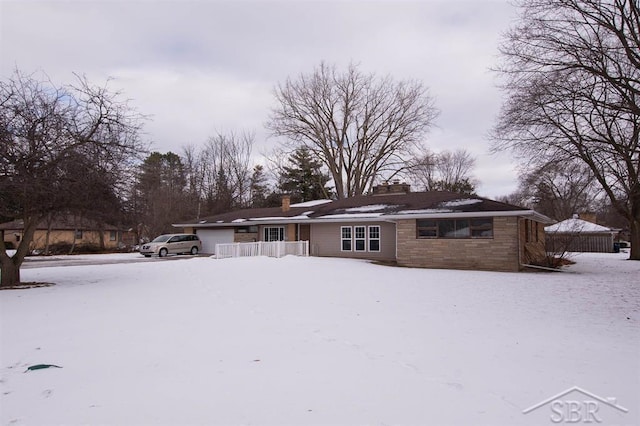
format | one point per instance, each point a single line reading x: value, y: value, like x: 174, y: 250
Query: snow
x: 350, y: 216
x: 576, y: 225
x: 238, y: 220
x: 312, y: 203
x: 425, y: 211
x: 463, y: 202
x: 369, y: 208
x: 316, y: 341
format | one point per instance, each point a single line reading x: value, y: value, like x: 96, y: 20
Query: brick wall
x: 245, y: 237
x: 499, y: 253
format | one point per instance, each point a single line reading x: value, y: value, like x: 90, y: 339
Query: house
x: 579, y: 235
x: 416, y: 229
x: 65, y: 231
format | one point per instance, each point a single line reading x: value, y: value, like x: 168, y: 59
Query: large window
x: 360, y: 238
x: 360, y: 234
x: 374, y: 238
x: 455, y: 228
x: 345, y: 235
x: 274, y: 233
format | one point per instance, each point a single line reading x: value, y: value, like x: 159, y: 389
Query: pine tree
x: 258, y: 187
x: 303, y: 178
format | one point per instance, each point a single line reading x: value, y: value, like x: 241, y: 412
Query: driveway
x: 94, y: 259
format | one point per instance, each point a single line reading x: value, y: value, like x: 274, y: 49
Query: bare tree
x: 423, y: 170
x: 360, y: 126
x: 571, y: 73
x: 561, y: 189
x: 219, y: 174
x: 55, y: 144
x: 447, y: 170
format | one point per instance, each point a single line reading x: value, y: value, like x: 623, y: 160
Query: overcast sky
x: 200, y: 66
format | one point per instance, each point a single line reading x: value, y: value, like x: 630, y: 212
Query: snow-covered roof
x: 350, y: 216
x: 419, y: 205
x: 312, y: 203
x: 462, y: 202
x: 576, y: 225
x: 369, y: 208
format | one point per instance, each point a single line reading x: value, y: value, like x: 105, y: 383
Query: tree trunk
x: 10, y: 266
x: 49, y: 225
x: 10, y: 273
x: 73, y: 243
x: 635, y: 239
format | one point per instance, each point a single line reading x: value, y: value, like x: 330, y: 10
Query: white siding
x: 211, y: 237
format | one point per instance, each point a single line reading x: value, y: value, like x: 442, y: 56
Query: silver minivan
x: 172, y: 244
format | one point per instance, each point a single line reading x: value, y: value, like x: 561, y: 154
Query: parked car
x: 172, y: 244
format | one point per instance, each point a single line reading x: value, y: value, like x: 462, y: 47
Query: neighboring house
x: 417, y: 229
x: 67, y: 230
x: 579, y: 236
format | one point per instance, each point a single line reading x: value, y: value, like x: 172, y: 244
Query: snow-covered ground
x: 317, y: 341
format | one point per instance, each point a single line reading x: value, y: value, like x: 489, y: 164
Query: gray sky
x: 201, y: 66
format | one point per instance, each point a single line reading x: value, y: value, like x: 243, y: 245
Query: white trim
x: 379, y: 239
x: 356, y: 239
x: 279, y: 228
x: 350, y: 239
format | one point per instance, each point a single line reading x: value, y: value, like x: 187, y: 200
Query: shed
x: 579, y: 236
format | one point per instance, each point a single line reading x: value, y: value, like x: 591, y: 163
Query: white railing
x: 262, y: 248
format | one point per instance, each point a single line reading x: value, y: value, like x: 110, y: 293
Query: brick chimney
x: 286, y: 203
x: 588, y: 216
x: 394, y: 187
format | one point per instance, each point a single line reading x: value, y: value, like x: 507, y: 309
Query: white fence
x: 262, y: 248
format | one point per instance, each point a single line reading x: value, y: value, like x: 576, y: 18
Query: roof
x: 68, y: 223
x: 572, y: 226
x: 436, y: 204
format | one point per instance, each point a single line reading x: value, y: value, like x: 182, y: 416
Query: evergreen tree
x: 303, y: 177
x: 159, y: 192
x: 258, y: 187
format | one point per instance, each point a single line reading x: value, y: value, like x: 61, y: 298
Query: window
x: 455, y: 228
x: 78, y: 234
x: 374, y: 238
x: 246, y: 229
x: 427, y: 228
x: 360, y: 238
x: 482, y: 227
x: 113, y: 235
x: 275, y: 233
x: 345, y: 233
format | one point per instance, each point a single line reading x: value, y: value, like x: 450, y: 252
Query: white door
x: 211, y: 237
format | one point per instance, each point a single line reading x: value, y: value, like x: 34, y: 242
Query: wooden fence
x: 579, y: 242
